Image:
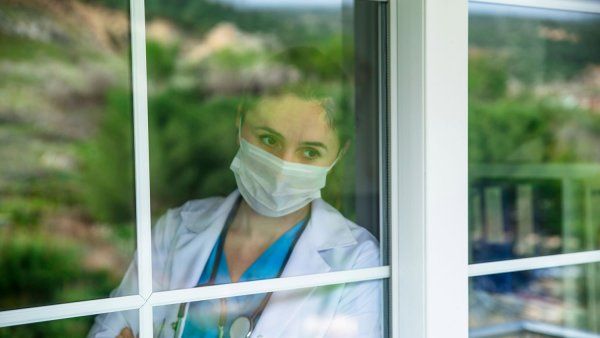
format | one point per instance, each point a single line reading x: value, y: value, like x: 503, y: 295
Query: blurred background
x: 67, y: 204
x: 534, y: 168
x: 66, y: 176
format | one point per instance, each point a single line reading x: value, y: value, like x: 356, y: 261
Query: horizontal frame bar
x: 535, y: 171
x: 135, y: 302
x: 268, y: 285
x: 534, y: 263
x: 555, y: 330
x: 69, y: 310
x: 530, y: 327
x: 581, y: 6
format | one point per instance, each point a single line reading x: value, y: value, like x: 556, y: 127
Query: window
x: 67, y: 216
x: 167, y: 137
x: 533, y: 105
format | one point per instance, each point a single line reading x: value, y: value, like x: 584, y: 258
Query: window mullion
x: 430, y: 175
x: 142, y: 159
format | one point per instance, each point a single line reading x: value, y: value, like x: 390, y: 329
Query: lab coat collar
x: 327, y: 228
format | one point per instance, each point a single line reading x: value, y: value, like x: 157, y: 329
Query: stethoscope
x: 242, y: 326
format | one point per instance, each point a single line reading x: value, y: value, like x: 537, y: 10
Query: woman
x: 274, y: 225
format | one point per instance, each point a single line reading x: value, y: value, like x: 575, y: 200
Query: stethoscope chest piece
x: 240, y: 328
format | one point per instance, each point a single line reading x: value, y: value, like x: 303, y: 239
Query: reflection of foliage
x: 73, y: 327
x: 199, y: 16
x: 192, y: 131
x: 192, y: 144
x: 487, y: 78
x: 107, y: 172
x: 32, y: 263
x: 161, y: 60
x: 520, y: 128
x: 321, y: 62
x: 532, y: 56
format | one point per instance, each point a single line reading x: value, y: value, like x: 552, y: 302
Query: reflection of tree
x: 534, y: 140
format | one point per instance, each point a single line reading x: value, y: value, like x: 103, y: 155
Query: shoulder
x: 348, y: 243
x: 192, y: 216
x: 367, y: 246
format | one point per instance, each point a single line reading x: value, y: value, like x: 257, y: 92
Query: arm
x: 110, y: 325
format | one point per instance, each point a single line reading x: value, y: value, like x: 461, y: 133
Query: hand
x: 125, y: 333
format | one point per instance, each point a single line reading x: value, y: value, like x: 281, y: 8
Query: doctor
x: 274, y: 225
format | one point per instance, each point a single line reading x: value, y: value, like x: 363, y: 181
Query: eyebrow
x: 315, y: 144
x: 272, y: 131
x: 306, y: 143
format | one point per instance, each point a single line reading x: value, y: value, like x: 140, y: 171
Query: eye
x: 268, y: 140
x: 311, y: 153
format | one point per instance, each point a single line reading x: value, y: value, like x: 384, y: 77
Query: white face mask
x: 274, y: 187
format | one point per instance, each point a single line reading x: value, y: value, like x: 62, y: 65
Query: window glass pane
x: 534, y: 112
x: 345, y: 310
x: 244, y: 202
x: 66, y: 174
x: 556, y: 302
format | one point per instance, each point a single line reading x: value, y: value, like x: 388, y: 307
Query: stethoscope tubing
x: 183, y: 307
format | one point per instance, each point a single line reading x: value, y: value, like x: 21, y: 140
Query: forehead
x: 294, y: 117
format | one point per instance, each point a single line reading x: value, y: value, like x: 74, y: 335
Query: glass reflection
x: 298, y: 313
x: 66, y: 199
x: 556, y: 302
x: 73, y: 327
x: 533, y: 132
x: 256, y: 103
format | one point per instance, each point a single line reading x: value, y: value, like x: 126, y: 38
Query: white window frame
x: 428, y: 267
x: 146, y: 299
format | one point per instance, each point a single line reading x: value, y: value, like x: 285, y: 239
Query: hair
x: 332, y: 96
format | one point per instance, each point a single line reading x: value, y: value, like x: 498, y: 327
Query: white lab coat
x: 184, y: 237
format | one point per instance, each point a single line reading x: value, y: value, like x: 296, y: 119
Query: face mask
x: 274, y: 187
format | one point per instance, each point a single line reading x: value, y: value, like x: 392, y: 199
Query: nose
x: 287, y: 155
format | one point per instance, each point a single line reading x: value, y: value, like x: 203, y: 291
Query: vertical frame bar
x: 446, y: 167
x: 142, y: 162
x: 407, y: 180
x: 429, y: 178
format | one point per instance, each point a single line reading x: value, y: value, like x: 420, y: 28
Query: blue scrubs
x: 203, y: 317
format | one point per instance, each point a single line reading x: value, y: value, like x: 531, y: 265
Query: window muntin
x: 533, y: 104
x: 66, y: 202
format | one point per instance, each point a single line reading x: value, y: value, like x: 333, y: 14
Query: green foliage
x: 192, y: 143
x: 487, y: 78
x: 18, y: 49
x: 161, y: 60
x: 532, y: 57
x: 42, y: 270
x: 23, y: 212
x: 106, y: 178
x: 73, y: 327
x: 321, y: 62
x: 513, y: 130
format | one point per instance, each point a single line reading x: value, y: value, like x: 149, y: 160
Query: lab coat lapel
x: 326, y: 230
x: 192, y: 249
